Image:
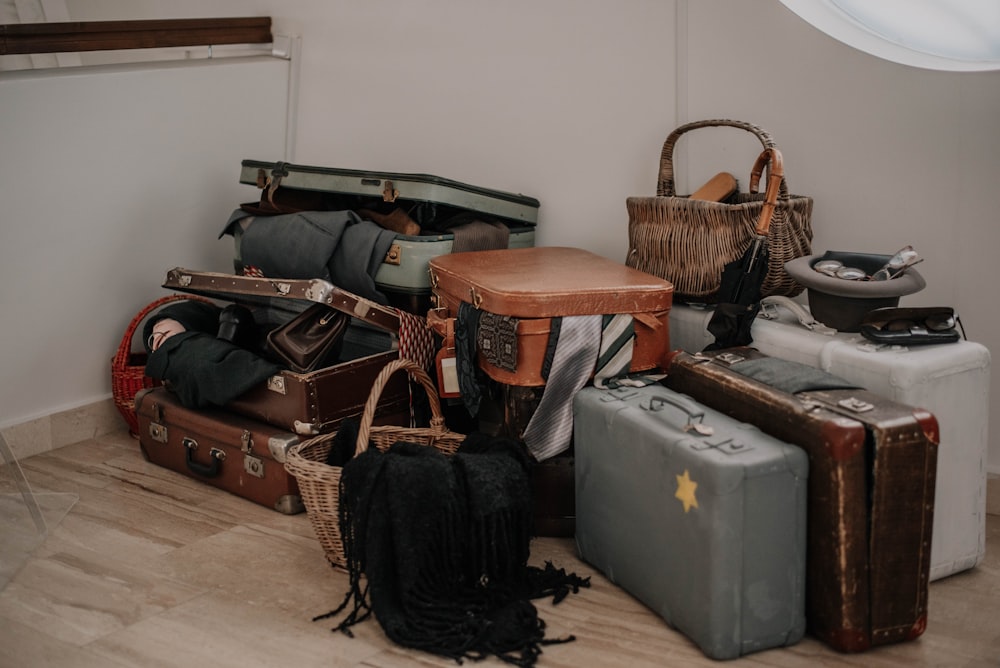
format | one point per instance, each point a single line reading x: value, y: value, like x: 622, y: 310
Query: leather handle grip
x: 210, y: 470
x: 771, y: 158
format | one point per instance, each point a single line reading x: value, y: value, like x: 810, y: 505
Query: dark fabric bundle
x: 443, y: 543
x: 205, y: 371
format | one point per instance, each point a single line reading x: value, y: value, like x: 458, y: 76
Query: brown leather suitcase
x: 872, y: 469
x: 316, y: 401
x: 228, y: 451
x: 533, y: 285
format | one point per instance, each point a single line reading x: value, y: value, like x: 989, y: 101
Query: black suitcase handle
x: 210, y: 470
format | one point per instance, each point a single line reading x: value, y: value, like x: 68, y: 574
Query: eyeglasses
x: 837, y: 269
x: 912, y: 326
x: 938, y: 322
x: 904, y: 258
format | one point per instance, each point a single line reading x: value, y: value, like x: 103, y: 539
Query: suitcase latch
x: 157, y: 432
x: 392, y: 257
x: 252, y: 465
x: 389, y: 194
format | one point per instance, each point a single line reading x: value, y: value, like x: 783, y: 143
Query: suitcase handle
x: 210, y: 470
x: 692, y: 410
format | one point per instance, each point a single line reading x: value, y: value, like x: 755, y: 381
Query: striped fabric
x: 617, y: 343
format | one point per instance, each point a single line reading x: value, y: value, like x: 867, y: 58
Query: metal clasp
x: 856, y: 405
x: 389, y: 194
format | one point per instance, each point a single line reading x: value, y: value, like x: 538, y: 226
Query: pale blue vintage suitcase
x: 697, y: 515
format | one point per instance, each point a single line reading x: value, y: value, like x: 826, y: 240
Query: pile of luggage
x: 742, y: 497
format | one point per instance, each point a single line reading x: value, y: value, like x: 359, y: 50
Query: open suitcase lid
x: 231, y: 287
x: 548, y: 281
x: 390, y: 186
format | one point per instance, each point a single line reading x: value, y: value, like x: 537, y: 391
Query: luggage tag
x: 446, y: 361
x: 447, y: 373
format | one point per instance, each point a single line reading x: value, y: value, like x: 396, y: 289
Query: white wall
x: 564, y: 100
x: 569, y: 101
x: 108, y: 178
x: 891, y: 154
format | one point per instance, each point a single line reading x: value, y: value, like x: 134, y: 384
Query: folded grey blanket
x: 338, y: 246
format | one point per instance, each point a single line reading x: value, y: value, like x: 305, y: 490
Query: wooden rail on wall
x: 27, y: 38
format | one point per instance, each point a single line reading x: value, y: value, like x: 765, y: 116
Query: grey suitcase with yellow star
x: 697, y: 515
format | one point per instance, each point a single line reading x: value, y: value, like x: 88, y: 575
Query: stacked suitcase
x: 533, y: 288
x: 872, y: 471
x: 950, y: 380
x: 240, y: 447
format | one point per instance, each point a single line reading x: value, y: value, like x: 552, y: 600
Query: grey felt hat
x: 842, y: 304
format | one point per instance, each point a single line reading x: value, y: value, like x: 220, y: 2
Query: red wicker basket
x: 128, y: 368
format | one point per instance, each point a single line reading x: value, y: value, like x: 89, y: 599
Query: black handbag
x: 309, y: 338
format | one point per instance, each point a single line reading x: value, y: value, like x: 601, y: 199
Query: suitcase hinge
x: 389, y: 194
x: 730, y: 358
x: 856, y: 405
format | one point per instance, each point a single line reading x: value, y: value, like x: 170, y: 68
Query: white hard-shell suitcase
x: 949, y: 380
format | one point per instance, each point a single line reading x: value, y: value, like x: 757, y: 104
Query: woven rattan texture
x: 319, y: 482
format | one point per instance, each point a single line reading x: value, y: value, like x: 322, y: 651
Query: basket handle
x: 125, y: 347
x: 665, y: 183
x: 437, y: 426
x: 771, y: 157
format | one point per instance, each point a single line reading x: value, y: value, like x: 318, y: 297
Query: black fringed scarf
x: 442, y: 543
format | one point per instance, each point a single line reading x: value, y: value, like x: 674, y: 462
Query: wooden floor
x: 150, y: 568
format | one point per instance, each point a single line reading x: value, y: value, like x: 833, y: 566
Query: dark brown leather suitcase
x: 872, y: 469
x: 228, y: 451
x: 533, y: 285
x: 506, y: 411
x: 316, y: 401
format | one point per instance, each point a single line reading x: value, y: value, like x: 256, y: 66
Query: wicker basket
x: 319, y: 482
x: 688, y: 242
x: 128, y: 368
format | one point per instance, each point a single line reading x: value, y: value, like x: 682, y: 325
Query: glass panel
x: 959, y: 35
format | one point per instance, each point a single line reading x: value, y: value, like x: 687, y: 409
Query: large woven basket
x: 319, y: 482
x: 128, y: 367
x: 688, y: 242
